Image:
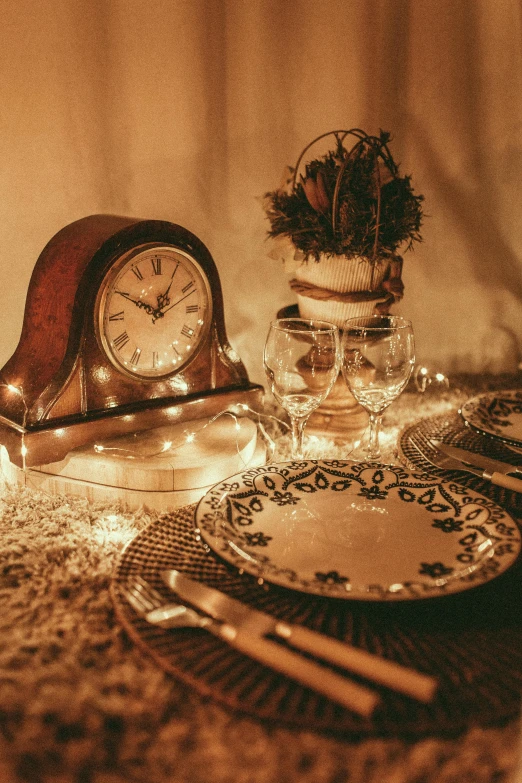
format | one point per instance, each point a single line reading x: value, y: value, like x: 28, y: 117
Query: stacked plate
x: 357, y: 531
x: 497, y: 415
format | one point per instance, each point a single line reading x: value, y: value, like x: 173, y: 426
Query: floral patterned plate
x: 497, y: 413
x: 357, y: 531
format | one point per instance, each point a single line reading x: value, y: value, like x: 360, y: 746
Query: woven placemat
x: 472, y: 640
x: 450, y: 428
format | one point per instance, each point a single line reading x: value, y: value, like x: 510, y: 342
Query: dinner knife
x: 492, y: 470
x: 150, y: 605
x: 380, y: 670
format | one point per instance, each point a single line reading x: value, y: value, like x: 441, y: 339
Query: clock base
x: 52, y: 442
x: 159, y: 470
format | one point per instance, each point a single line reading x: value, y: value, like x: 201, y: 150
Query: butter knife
x: 493, y: 470
x: 220, y: 606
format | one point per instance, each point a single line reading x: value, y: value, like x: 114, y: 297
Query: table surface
x: 79, y: 701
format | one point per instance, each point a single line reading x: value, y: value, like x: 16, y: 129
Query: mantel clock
x: 123, y: 331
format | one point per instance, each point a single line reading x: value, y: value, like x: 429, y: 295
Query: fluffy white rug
x: 80, y: 704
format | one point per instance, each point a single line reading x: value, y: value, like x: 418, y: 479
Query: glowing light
x: 190, y: 437
x: 395, y: 588
x: 101, y: 374
x: 424, y: 378
x: 20, y: 393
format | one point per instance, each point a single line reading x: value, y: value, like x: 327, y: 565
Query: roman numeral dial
x: 154, y: 310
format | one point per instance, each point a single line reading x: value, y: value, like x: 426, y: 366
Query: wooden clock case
x: 59, y: 390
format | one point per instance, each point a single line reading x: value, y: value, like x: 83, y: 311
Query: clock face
x: 153, y: 311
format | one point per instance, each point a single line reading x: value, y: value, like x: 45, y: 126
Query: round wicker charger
x: 472, y: 640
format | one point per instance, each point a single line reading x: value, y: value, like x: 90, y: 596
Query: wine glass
x: 378, y: 354
x: 301, y: 360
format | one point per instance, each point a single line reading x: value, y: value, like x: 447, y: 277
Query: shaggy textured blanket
x: 79, y: 703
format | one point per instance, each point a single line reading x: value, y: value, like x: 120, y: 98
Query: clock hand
x: 164, y: 299
x: 177, y: 303
x: 143, y: 305
x: 156, y: 314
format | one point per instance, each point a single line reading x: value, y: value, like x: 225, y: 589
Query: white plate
x: 496, y: 413
x: 357, y: 531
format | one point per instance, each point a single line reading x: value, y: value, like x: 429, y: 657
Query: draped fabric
x: 188, y: 111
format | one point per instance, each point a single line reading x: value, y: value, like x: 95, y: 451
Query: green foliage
x: 350, y: 202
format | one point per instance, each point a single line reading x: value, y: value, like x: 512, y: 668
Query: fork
x: 151, y: 605
x: 147, y: 602
x: 442, y: 461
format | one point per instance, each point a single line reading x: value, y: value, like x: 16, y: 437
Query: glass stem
x: 374, y: 451
x: 298, y: 425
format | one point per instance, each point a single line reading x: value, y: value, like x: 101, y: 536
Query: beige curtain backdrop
x: 188, y: 110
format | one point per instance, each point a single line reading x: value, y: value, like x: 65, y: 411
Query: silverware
x: 442, y: 461
x: 218, y: 605
x: 476, y: 460
x: 148, y: 603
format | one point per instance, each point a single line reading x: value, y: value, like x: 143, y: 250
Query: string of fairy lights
x: 236, y: 411
x: 18, y: 390
x: 423, y: 378
x: 190, y: 436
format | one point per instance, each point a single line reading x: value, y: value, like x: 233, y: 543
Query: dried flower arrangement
x: 351, y: 202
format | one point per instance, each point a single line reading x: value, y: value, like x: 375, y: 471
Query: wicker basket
x: 315, y: 282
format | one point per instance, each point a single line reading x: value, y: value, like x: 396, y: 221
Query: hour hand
x: 163, y: 302
x: 143, y: 305
x: 163, y: 299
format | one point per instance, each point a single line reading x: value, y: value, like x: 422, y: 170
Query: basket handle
x: 363, y: 138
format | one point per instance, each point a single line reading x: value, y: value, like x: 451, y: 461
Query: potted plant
x: 340, y: 224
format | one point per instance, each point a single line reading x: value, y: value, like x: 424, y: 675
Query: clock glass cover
x: 154, y: 309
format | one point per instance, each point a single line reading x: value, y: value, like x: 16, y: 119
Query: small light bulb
x: 14, y: 389
x: 98, y: 447
x: 24, y: 450
x: 190, y: 437
x: 167, y: 445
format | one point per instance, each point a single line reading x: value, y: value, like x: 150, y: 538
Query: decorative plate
x: 357, y: 531
x: 497, y: 413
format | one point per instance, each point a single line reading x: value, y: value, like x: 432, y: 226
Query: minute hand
x: 177, y: 303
